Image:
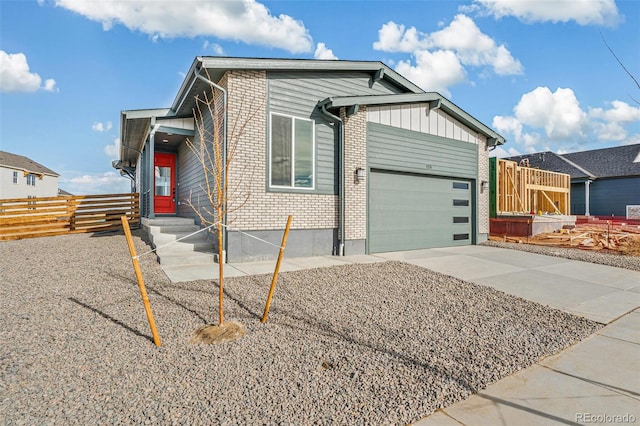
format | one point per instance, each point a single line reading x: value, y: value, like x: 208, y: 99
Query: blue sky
x: 538, y: 72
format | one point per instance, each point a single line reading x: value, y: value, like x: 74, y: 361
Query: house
x: 363, y: 159
x: 603, y: 181
x: 21, y: 177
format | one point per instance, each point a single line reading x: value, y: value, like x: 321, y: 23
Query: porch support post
x: 586, y: 197
x: 151, y: 171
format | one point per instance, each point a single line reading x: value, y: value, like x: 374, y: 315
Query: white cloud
x: 633, y: 139
x: 16, y: 77
x: 322, y: 52
x: 610, y: 131
x: 433, y: 71
x: 583, y: 12
x: 500, y: 152
x: 79, y: 183
x: 247, y: 21
x: 545, y: 120
x: 395, y: 38
x: 621, y: 112
x: 460, y: 44
x: 113, y: 150
x: 475, y: 48
x: 99, y: 127
x: 558, y: 112
x: 508, y: 125
x: 609, y: 123
x: 215, y: 47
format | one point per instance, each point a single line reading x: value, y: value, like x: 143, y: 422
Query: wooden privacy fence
x: 46, y: 216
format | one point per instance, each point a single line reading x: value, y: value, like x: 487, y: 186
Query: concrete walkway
x: 597, y: 381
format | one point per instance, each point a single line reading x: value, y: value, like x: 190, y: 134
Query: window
x: 31, y: 179
x: 163, y: 181
x: 460, y: 219
x: 15, y: 177
x: 461, y: 185
x: 458, y: 237
x: 292, y: 152
x: 460, y: 202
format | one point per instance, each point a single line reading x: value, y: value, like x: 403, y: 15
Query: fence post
x: 71, y: 210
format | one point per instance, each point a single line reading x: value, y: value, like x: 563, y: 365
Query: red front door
x: 164, y: 200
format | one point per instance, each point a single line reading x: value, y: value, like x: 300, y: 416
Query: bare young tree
x: 216, y: 153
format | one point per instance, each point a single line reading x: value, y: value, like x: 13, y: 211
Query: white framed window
x: 292, y: 152
x: 15, y: 177
x: 31, y: 180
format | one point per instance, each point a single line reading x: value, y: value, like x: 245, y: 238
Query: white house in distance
x: 21, y: 177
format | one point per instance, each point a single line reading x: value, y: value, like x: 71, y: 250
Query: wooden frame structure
x: 518, y: 189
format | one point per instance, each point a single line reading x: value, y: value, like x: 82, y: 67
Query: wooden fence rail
x: 46, y: 216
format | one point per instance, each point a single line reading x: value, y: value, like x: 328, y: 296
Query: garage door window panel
x: 292, y: 152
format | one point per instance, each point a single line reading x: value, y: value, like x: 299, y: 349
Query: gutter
x: 197, y: 74
x: 337, y: 120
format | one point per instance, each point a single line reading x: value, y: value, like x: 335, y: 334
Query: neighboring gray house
x: 363, y: 159
x: 603, y: 181
x: 21, y: 177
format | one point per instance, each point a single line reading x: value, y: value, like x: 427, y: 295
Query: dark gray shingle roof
x: 15, y: 161
x: 598, y: 163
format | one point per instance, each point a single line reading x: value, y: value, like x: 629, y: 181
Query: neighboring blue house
x: 603, y: 181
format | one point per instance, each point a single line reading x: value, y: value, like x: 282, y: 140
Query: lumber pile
x: 624, y: 240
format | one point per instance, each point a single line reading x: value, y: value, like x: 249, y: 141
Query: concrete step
x: 167, y: 221
x: 182, y: 247
x: 187, y: 228
x: 161, y: 239
x: 189, y: 258
x: 191, y: 251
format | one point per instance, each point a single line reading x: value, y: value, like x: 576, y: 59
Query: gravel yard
x: 383, y: 343
x: 602, y: 258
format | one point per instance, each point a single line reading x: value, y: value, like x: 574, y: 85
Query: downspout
x: 337, y: 120
x: 224, y: 157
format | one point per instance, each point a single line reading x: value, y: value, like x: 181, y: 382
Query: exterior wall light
x: 484, y: 186
x: 359, y: 174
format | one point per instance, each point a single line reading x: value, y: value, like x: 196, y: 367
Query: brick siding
x: 247, y: 91
x: 483, y: 197
x: 355, y: 155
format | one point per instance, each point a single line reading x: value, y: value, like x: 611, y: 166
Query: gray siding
x: 298, y: 94
x: 191, y: 178
x: 396, y: 149
x: 611, y: 196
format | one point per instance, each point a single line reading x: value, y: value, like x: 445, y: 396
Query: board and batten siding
x: 298, y: 93
x: 398, y: 149
x: 419, y: 118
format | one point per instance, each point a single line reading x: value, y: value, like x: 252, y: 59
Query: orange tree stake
x: 275, y: 273
x: 143, y: 291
